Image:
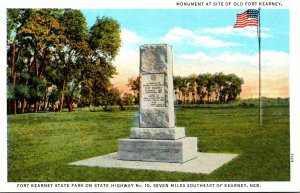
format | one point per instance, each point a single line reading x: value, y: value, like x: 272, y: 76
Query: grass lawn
x: 41, y: 145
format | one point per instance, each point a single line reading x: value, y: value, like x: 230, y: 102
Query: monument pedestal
x: 158, y: 145
x: 159, y: 150
x: 157, y: 133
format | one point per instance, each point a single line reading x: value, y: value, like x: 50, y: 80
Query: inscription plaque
x: 153, y: 94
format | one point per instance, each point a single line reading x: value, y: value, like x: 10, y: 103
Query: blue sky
x: 155, y: 23
x: 204, y: 40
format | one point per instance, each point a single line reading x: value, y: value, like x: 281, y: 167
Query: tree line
x: 208, y: 88
x: 53, y: 56
x: 201, y: 88
x: 54, y: 61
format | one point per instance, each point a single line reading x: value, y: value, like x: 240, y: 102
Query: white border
x: 137, y: 4
x: 295, y: 92
x: 292, y: 5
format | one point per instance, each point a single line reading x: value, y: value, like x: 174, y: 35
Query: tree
x: 202, y: 81
x: 53, y: 97
x: 135, y: 84
x: 37, y: 90
x: 94, y: 88
x: 234, y: 87
x: 181, y: 88
x: 43, y: 31
x: 176, y: 82
x: 72, y: 94
x: 191, y: 79
x: 74, y: 48
x: 16, y: 18
x: 104, y: 42
x: 210, y: 87
x: 32, y: 36
x: 226, y: 88
x: 128, y: 99
x: 54, y: 48
x: 105, y: 38
x: 221, y: 84
x: 112, y: 97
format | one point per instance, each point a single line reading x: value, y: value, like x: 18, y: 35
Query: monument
x: 157, y: 138
x: 157, y: 144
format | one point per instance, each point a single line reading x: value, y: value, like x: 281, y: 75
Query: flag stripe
x: 245, y: 23
x: 242, y: 17
x: 250, y: 21
x: 247, y: 18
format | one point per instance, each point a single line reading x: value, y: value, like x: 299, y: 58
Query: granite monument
x: 157, y: 138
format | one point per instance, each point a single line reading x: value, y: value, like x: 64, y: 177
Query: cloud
x: 127, y: 61
x: 181, y: 35
x: 203, y: 37
x: 195, y: 56
x: 268, y: 58
x: 130, y: 38
x: 275, y: 58
x: 250, y: 32
x: 224, y: 58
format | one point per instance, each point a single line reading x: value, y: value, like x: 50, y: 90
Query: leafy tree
x: 16, y: 18
x: 10, y: 90
x: 192, y: 86
x: 85, y: 96
x: 52, y: 55
x: 209, y: 86
x: 53, y: 97
x: 234, y: 87
x: 73, y: 49
x: 36, y: 37
x: 128, y: 99
x: 177, y: 80
x: 54, y: 48
x: 112, y: 97
x: 135, y: 84
x: 104, y: 42
x: 224, y: 88
x: 72, y: 94
x: 93, y: 90
x: 37, y: 89
x: 181, y: 88
x: 105, y: 38
x: 202, y: 81
x: 220, y: 82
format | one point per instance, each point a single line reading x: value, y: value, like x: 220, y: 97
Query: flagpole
x: 259, y: 61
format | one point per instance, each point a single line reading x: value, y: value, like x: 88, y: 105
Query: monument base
x: 157, y: 133
x: 176, y: 151
x: 205, y: 163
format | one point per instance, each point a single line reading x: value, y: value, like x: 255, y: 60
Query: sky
x: 204, y: 41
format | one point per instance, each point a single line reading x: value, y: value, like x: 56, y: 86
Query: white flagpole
x: 259, y: 61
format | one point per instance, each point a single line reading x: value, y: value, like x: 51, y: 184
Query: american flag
x: 248, y: 18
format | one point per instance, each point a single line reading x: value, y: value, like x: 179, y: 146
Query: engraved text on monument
x: 153, y: 94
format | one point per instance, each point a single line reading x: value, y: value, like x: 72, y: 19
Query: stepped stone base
x: 177, y: 151
x: 157, y: 133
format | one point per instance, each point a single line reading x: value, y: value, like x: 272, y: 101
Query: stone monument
x: 157, y: 144
x: 157, y: 138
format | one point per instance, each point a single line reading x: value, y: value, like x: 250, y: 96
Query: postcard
x: 150, y: 96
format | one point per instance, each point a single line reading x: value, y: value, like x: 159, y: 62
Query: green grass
x: 41, y: 145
